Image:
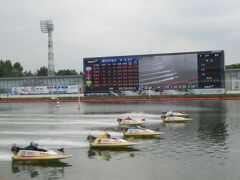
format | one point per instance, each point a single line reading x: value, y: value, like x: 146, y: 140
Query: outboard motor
x: 15, y: 149
x: 91, y: 138
x: 61, y: 150
x: 119, y: 120
x: 164, y: 114
x: 124, y: 129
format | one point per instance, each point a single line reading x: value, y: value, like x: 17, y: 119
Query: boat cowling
x: 15, y: 149
x: 91, y: 138
x: 124, y: 129
x: 119, y: 120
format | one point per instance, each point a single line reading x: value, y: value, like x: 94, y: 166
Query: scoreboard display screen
x: 209, y: 73
x: 112, y: 74
x: 193, y: 70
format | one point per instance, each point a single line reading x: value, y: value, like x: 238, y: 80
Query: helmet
x: 15, y: 149
x: 34, y: 144
x: 91, y: 138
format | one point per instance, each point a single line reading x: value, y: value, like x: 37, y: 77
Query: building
x: 232, y: 81
x: 40, y: 85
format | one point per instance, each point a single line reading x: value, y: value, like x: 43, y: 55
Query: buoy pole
x: 57, y: 103
x: 79, y: 90
x: 149, y: 92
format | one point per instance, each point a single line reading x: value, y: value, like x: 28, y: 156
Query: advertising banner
x: 29, y: 90
x: 38, y: 90
x: 236, y: 85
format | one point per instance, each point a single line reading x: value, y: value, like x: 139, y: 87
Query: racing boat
x: 174, y: 114
x: 106, y: 141
x: 128, y: 121
x: 24, y: 154
x: 173, y: 119
x: 137, y: 131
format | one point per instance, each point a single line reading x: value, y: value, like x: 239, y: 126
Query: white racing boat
x: 137, y: 131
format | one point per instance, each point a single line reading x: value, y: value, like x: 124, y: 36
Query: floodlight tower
x: 48, y: 27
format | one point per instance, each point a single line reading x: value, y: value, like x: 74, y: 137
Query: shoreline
x: 119, y: 99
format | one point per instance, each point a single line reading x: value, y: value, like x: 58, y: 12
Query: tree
x: 17, y: 70
x: 7, y: 69
x: 2, y: 68
x: 27, y: 74
x: 233, y: 66
x: 66, y: 72
x: 43, y: 71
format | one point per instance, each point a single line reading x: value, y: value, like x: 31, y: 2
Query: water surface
x: 206, y: 148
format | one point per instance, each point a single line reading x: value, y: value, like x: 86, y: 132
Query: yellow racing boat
x: 137, y: 131
x: 174, y: 114
x: 106, y: 141
x: 172, y: 119
x: 40, y: 154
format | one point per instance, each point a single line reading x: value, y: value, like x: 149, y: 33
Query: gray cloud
x: 110, y: 27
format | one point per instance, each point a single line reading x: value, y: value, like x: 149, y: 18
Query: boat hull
x: 114, y: 145
x: 132, y: 124
x: 177, y: 120
x: 40, y: 158
x: 178, y: 115
x: 143, y: 134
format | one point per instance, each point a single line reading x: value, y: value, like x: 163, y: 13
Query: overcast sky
x: 90, y: 28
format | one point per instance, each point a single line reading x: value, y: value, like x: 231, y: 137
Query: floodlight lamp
x: 46, y: 26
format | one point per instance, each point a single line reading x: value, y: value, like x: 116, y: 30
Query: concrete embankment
x: 113, y: 99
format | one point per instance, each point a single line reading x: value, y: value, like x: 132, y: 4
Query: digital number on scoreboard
x: 111, y: 74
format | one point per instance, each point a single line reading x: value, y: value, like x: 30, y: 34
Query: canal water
x: 208, y: 148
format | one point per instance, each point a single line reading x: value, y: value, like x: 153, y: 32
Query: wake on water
x: 5, y: 156
x: 23, y: 128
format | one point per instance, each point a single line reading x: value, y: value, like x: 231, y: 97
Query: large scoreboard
x: 188, y: 70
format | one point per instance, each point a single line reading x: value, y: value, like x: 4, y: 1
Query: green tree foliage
x: 2, y: 63
x: 233, y: 66
x: 9, y: 70
x: 66, y: 72
x: 27, y: 74
x: 43, y: 71
x: 17, y: 70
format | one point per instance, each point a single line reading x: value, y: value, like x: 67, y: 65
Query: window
x: 233, y: 74
x: 238, y: 75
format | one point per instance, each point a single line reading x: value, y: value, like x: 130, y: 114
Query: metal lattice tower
x: 48, y: 27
